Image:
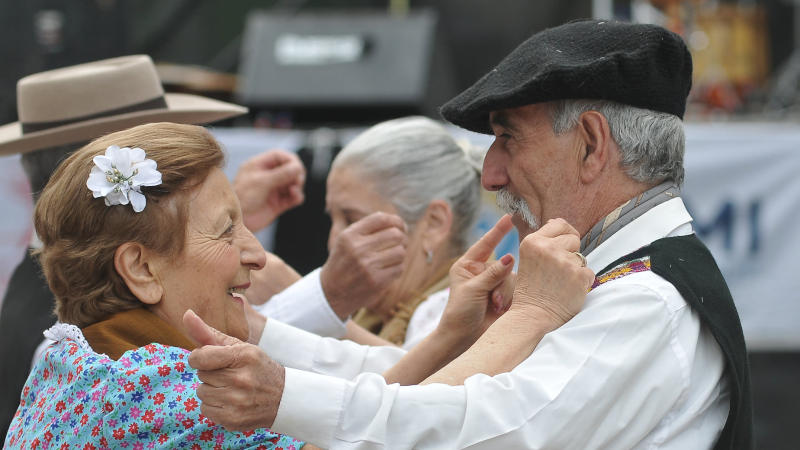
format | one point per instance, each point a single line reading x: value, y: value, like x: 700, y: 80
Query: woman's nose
x: 253, y: 254
x: 332, y: 235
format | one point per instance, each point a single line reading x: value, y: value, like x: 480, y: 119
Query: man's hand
x: 273, y: 278
x: 242, y: 386
x: 267, y: 185
x: 551, y: 282
x: 479, y: 291
x: 366, y: 257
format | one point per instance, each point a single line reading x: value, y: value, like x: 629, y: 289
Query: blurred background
x: 316, y: 72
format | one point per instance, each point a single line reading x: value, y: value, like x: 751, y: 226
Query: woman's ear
x: 133, y: 264
x: 438, y: 222
x: 596, y: 135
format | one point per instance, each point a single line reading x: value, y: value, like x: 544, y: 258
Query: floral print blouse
x: 78, y: 399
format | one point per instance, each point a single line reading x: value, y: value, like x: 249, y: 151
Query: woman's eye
x: 349, y: 220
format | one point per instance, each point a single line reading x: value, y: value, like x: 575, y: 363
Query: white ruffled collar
x: 61, y: 331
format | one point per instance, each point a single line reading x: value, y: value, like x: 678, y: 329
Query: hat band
x: 156, y: 103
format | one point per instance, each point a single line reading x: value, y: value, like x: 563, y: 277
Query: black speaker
x: 340, y: 61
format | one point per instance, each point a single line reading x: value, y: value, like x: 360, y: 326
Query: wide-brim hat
x: 82, y: 102
x: 641, y: 65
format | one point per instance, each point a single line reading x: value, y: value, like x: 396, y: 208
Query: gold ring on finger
x: 582, y: 258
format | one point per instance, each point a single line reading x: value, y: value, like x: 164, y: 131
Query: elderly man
x: 587, y: 120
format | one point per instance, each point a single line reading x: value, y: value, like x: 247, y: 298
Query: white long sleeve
x: 299, y: 349
x: 303, y: 305
x: 634, y: 369
x: 587, y: 385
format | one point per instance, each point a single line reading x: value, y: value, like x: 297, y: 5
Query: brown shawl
x: 395, y: 329
x: 129, y: 330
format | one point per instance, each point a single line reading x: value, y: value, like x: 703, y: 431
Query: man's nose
x: 494, y: 175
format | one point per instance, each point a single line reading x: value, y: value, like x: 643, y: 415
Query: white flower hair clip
x: 120, y: 174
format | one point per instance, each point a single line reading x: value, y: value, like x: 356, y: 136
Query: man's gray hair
x: 413, y: 161
x: 651, y: 143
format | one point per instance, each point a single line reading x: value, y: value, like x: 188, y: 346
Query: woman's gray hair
x: 413, y: 161
x: 651, y: 143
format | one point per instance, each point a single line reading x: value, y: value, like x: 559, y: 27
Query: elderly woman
x: 413, y: 171
x: 137, y: 227
x: 413, y: 168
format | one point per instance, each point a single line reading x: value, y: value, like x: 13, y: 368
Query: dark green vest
x: 687, y: 264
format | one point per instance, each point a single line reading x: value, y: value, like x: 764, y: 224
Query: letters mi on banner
x: 742, y: 188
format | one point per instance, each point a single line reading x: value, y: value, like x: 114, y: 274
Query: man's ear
x: 438, y: 221
x: 133, y: 263
x: 598, y: 144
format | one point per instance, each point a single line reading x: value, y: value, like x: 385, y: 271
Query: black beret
x: 645, y: 66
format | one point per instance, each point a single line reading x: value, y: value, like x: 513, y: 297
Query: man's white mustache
x: 514, y: 205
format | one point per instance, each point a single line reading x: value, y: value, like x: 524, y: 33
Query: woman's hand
x: 469, y: 311
x: 479, y: 291
x: 551, y: 287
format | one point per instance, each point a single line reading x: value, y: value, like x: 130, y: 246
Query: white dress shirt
x: 634, y: 369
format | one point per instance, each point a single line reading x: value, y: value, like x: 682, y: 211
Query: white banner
x: 743, y: 189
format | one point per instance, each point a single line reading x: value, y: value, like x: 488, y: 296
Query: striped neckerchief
x: 626, y: 213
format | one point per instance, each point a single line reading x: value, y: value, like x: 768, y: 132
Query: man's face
x: 534, y: 171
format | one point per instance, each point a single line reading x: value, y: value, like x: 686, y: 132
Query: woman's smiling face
x: 213, y: 268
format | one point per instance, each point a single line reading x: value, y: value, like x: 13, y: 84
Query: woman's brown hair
x: 81, y: 234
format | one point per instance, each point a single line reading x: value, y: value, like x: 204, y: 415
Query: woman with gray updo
x: 411, y: 167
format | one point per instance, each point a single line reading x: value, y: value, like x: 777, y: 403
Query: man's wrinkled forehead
x: 502, y: 119
x: 515, y: 119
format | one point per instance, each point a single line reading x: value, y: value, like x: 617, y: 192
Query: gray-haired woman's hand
x: 366, y: 257
x: 267, y: 185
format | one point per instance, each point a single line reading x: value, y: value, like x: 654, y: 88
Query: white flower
x: 120, y: 174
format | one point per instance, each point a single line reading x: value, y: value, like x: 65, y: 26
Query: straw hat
x: 82, y: 102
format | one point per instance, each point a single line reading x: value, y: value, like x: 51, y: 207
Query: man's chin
x: 523, y: 228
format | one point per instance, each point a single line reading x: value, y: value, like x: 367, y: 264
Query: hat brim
x: 181, y: 108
